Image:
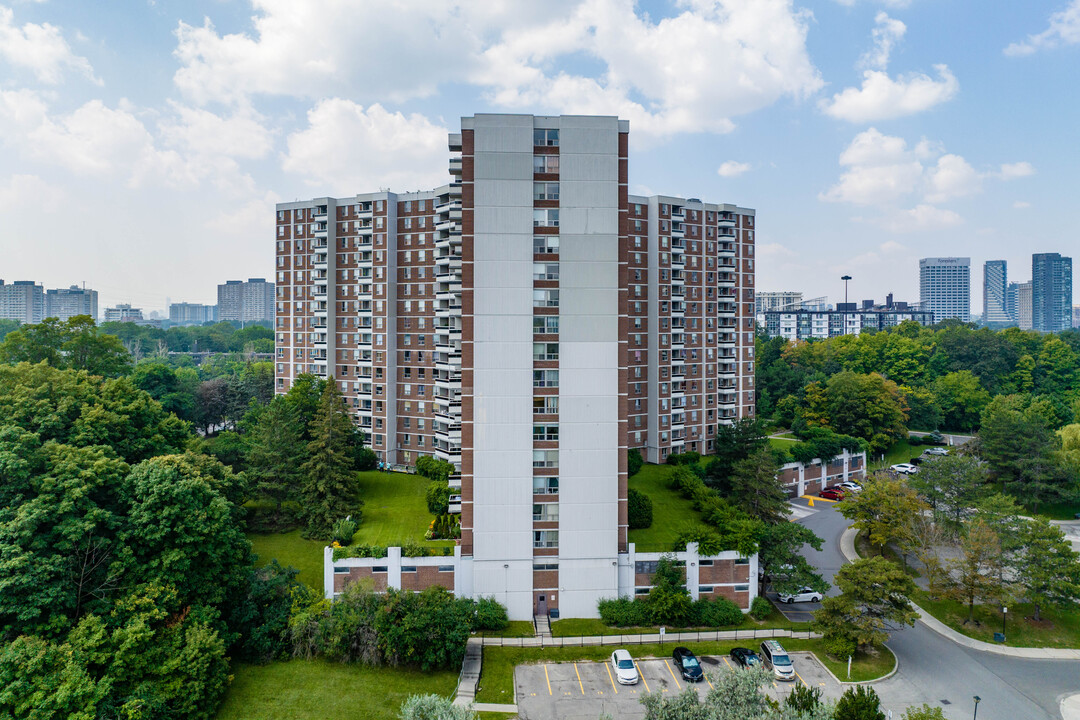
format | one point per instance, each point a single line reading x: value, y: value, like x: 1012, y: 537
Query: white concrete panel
x: 588, y: 221
x: 588, y: 167
x: 588, y: 193
x: 508, y: 220
x: 507, y: 193
x: 591, y: 140
x: 503, y: 166
x: 502, y: 247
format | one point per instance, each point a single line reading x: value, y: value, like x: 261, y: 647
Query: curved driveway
x: 935, y: 670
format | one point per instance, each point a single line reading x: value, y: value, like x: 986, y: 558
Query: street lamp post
x: 976, y: 713
x: 845, y: 278
x: 1004, y: 612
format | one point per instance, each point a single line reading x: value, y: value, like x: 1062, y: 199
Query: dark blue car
x: 688, y: 664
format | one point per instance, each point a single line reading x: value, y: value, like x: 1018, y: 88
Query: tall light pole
x: 845, y: 278
x: 976, y: 713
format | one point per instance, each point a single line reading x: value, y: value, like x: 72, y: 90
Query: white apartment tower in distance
x: 945, y: 287
x: 995, y: 292
x: 529, y: 322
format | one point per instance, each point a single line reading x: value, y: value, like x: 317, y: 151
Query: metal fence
x: 648, y: 638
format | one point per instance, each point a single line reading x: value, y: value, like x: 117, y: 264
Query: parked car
x: 688, y: 664
x: 904, y: 468
x: 832, y: 493
x: 936, y: 451
x: 774, y: 657
x: 849, y: 486
x: 623, y: 665
x: 805, y: 594
x: 745, y: 657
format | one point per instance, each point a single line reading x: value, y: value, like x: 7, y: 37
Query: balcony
x: 455, y: 167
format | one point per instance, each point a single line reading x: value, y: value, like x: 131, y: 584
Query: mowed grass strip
x: 1056, y: 629
x: 671, y: 511
x: 316, y: 690
x: 290, y: 549
x: 497, y: 674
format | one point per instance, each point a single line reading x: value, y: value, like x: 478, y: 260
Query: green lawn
x: 782, y: 443
x: 291, y: 549
x: 670, y: 510
x: 516, y: 629
x: 497, y: 675
x: 1058, y: 628
x: 573, y: 627
x: 315, y: 690
x: 394, y: 511
x: 1058, y: 511
x: 899, y: 452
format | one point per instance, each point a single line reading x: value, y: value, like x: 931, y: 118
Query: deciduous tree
x: 882, y: 509
x: 976, y: 570
x: 874, y: 596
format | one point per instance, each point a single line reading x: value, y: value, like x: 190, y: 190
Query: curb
x: 847, y: 549
x: 886, y: 676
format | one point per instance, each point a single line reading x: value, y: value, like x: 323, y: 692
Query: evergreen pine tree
x: 329, y: 482
x: 275, y: 453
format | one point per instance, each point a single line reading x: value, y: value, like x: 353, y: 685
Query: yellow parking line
x: 818, y: 499
x: 727, y: 663
x: 668, y: 665
x: 800, y: 677
x: 708, y: 680
x: 548, y: 679
x: 611, y: 678
x: 642, y: 676
x: 580, y: 686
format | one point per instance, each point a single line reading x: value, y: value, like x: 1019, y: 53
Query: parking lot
x: 586, y: 689
x: 795, y: 612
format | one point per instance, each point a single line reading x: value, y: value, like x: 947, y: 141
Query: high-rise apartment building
x: 64, y: 303
x: 22, y: 300
x: 995, y: 295
x: 1051, y: 292
x: 770, y: 301
x: 250, y: 301
x: 945, y: 287
x: 123, y: 313
x: 186, y: 313
x: 1024, y: 307
x: 528, y: 322
x: 1012, y: 300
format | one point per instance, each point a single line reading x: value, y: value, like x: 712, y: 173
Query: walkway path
x: 847, y: 547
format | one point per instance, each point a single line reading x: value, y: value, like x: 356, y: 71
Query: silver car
x: 904, y: 468
x: 806, y: 594
x: 623, y: 666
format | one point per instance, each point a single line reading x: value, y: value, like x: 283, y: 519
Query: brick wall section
x: 425, y: 577
x: 342, y: 580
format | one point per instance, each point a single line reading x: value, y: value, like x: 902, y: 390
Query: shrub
x: 365, y: 459
x: 490, y: 615
x: 360, y: 551
x: 428, y: 629
x: 434, y: 707
x: 915, y: 440
x: 840, y: 646
x: 411, y: 548
x: 623, y: 612
x: 634, y: 461
x: 804, y: 699
x: 434, y: 469
x: 343, y: 531
x: 686, y: 458
x: 639, y: 509
x: 438, y: 498
x: 265, y: 520
x: 760, y: 608
x: 859, y: 703
x: 444, y: 527
x: 717, y: 613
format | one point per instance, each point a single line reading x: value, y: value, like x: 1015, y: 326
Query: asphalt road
x: 935, y: 670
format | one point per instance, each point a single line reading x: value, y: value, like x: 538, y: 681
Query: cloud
x: 41, y: 49
x: 887, y: 33
x: 24, y: 191
x: 355, y: 150
x: 1064, y: 29
x: 760, y: 45
x: 883, y: 172
x: 882, y: 98
x: 732, y: 168
x: 888, y: 3
x: 1011, y: 171
x: 753, y: 52
x: 241, y: 135
x: 1021, y: 205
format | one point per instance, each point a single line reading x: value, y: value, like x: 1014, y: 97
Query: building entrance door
x: 541, y: 605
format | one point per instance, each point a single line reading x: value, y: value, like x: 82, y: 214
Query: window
x: 545, y: 432
x: 546, y: 405
x: 546, y: 163
x: 546, y: 325
x: 545, y: 298
x: 546, y: 566
x: 706, y: 563
x: 545, y: 378
x: 545, y: 485
x: 543, y: 137
x: 446, y: 568
x: 546, y: 191
x: 545, y: 271
x: 408, y: 568
x: 545, y: 538
x: 545, y: 459
x: 546, y: 244
x: 645, y: 567
x: 545, y: 351
x: 545, y: 217
x: 545, y: 512
x: 341, y: 570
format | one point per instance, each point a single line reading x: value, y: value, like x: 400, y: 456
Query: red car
x: 832, y: 493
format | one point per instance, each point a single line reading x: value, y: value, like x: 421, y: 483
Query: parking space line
x: 727, y: 663
x: 546, y: 677
x: 668, y: 665
x: 606, y: 665
x: 642, y: 676
x: 800, y: 677
x: 708, y: 681
x: 580, y: 686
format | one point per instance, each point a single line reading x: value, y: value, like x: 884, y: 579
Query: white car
x: 904, y: 468
x: 623, y: 665
x: 806, y: 594
x: 850, y: 486
x: 936, y: 451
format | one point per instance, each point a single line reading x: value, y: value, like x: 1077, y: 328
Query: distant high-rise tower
x: 945, y: 287
x: 64, y: 303
x: 1023, y: 306
x: 1012, y: 300
x: 22, y: 300
x: 1051, y: 292
x: 995, y: 282
x: 251, y: 301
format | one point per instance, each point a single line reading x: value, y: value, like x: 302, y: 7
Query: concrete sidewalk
x: 847, y: 548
